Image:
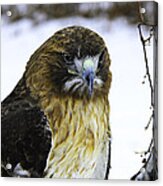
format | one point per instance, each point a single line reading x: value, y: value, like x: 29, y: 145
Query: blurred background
x: 25, y: 27
x: 38, y: 13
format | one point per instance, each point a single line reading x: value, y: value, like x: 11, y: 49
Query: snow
x: 129, y: 98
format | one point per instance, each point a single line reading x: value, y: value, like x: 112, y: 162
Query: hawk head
x: 73, y: 62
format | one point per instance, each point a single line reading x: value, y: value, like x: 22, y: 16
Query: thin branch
x: 149, y: 122
x: 146, y: 64
x: 149, y: 171
x: 150, y: 146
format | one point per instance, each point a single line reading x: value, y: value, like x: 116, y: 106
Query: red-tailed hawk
x: 55, y: 123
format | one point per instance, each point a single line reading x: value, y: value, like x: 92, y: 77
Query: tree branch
x: 149, y: 170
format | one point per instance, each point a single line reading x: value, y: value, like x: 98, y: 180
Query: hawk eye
x: 68, y: 59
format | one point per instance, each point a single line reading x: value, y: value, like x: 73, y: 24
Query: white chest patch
x: 80, y: 142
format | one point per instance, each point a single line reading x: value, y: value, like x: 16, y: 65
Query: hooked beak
x: 88, y: 73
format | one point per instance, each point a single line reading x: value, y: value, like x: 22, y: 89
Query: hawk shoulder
x: 25, y: 131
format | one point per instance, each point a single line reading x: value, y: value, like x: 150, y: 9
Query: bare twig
x: 150, y: 147
x: 149, y: 122
x: 149, y: 171
x: 146, y: 63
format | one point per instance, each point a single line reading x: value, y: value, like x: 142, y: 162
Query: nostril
x: 87, y: 78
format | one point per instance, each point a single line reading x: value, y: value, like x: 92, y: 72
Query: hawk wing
x: 25, y: 140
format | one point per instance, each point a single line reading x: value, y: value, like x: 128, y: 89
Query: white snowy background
x: 129, y: 98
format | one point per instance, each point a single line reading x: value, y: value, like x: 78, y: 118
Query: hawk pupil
x: 68, y: 59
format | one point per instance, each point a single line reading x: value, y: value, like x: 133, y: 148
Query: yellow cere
x: 88, y: 63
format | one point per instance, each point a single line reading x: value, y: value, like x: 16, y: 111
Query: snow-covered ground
x: 129, y: 98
